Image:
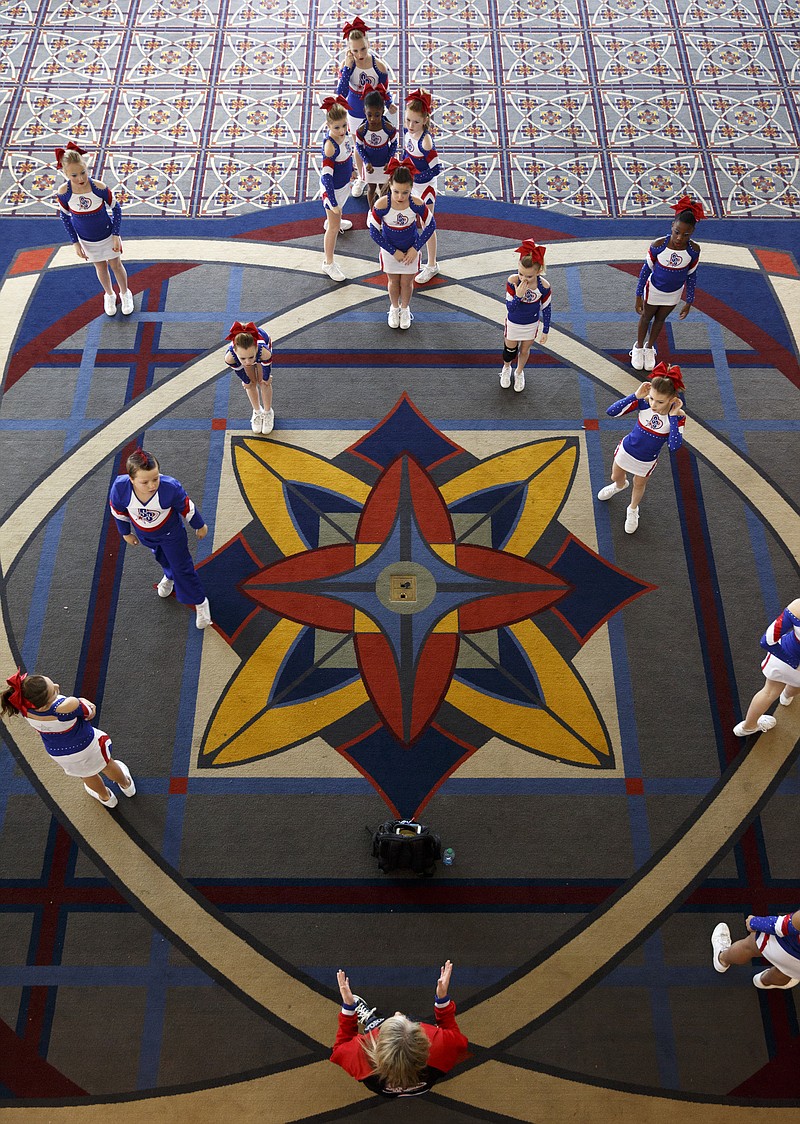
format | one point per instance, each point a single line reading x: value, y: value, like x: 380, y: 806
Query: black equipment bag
x: 406, y: 845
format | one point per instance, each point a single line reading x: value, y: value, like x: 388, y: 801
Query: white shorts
x: 780, y: 672
x: 354, y: 123
x: 630, y: 464
x: 655, y: 296
x: 100, y: 251
x: 377, y: 175
x: 514, y: 331
x: 390, y: 264
x: 90, y: 761
x: 777, y: 955
x: 342, y: 195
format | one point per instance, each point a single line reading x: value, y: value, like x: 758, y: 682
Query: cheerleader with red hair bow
x: 781, y: 669
x: 376, y: 140
x: 335, y: 178
x: 420, y: 147
x: 69, y: 738
x: 361, y: 68
x: 250, y: 355
x: 401, y: 224
x: 660, y: 421
x: 671, y: 264
x: 83, y: 207
x: 527, y: 312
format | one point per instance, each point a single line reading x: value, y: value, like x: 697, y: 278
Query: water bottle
x: 449, y: 856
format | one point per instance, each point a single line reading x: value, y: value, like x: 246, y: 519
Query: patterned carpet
x: 558, y: 706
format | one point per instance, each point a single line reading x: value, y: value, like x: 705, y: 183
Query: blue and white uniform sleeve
x: 644, y: 275
x: 545, y: 307
x: 361, y: 148
x: 780, y: 925
x: 426, y: 224
x: 326, y: 176
x: 119, y: 512
x: 185, y: 507
x: 375, y: 227
x: 512, y: 300
x: 391, y: 148
x: 345, y: 74
x: 625, y: 405
x: 691, y: 280
x: 65, y: 215
x: 384, y: 77
x: 676, y: 425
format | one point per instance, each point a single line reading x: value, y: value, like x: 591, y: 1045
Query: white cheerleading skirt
x: 630, y: 464
x: 655, y: 296
x: 780, y: 672
x: 89, y: 761
x: 100, y: 251
x: 390, y: 264
x: 515, y: 332
x: 777, y: 955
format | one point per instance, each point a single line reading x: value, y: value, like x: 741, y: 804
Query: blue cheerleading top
x: 782, y: 639
x: 528, y: 308
x: 377, y: 146
x: 398, y: 230
x: 152, y: 521
x: 70, y: 734
x: 651, y: 432
x: 86, y: 217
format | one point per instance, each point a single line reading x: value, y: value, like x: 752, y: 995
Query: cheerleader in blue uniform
x: 671, y: 264
x: 527, y: 312
x: 781, y: 670
x: 361, y: 68
x: 421, y: 149
x: 64, y: 724
x: 150, y: 508
x: 250, y: 355
x: 83, y: 206
x: 376, y: 141
x: 401, y: 224
x: 659, y: 422
x: 337, y: 172
x: 776, y: 938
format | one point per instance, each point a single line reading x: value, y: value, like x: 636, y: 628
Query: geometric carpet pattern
x: 558, y: 706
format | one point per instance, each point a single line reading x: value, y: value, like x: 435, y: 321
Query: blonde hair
x: 529, y: 263
x: 243, y: 339
x: 398, y: 1052
x: 72, y: 157
x: 356, y: 33
x: 336, y: 113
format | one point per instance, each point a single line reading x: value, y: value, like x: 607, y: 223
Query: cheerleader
x: 376, y: 141
x: 527, y: 312
x: 82, y: 205
x: 670, y: 264
x: 150, y: 508
x: 660, y: 421
x: 776, y: 938
x: 250, y: 355
x: 80, y: 749
x: 401, y: 224
x: 420, y: 148
x: 361, y: 68
x: 337, y: 172
x: 781, y: 670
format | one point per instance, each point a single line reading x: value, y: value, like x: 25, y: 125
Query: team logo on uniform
x: 675, y: 259
x: 374, y: 138
x: 656, y: 422
x: 401, y: 220
x: 84, y: 203
x: 148, y: 516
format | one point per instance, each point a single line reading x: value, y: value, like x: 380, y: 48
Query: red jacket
x: 448, y: 1046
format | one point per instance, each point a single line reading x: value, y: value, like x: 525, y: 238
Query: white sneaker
x: 267, y: 421
x: 203, y: 614
x: 637, y: 357
x: 344, y: 224
x: 784, y: 700
x: 255, y: 421
x: 505, y: 377
x: 426, y: 273
x: 519, y: 380
x: 357, y: 188
x: 765, y: 722
x: 611, y: 490
x: 758, y: 981
x: 128, y: 789
x: 110, y: 309
x: 649, y: 358
x: 165, y: 586
x: 331, y: 269
x: 393, y: 319
x: 110, y: 803
x: 406, y: 317
x: 631, y: 520
x: 720, y: 940
x: 126, y: 302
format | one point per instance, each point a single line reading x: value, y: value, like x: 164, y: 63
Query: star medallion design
x: 405, y: 611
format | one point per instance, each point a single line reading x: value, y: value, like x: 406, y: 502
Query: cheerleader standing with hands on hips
x: 150, y: 508
x: 670, y: 264
x: 527, y: 312
x: 250, y: 355
x: 337, y: 172
x: 64, y: 724
x: 421, y: 150
x: 361, y: 68
x: 83, y: 206
x: 401, y: 224
x: 781, y: 670
x: 660, y: 421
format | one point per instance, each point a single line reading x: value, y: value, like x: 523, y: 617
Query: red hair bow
x: 530, y: 247
x: 689, y: 204
x: 16, y: 698
x: 329, y: 103
x: 665, y: 371
x: 420, y: 95
x: 394, y: 164
x: 357, y: 25
x: 236, y: 328
x: 71, y: 147
x: 381, y: 89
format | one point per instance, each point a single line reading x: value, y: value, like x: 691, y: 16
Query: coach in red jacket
x: 397, y: 1057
